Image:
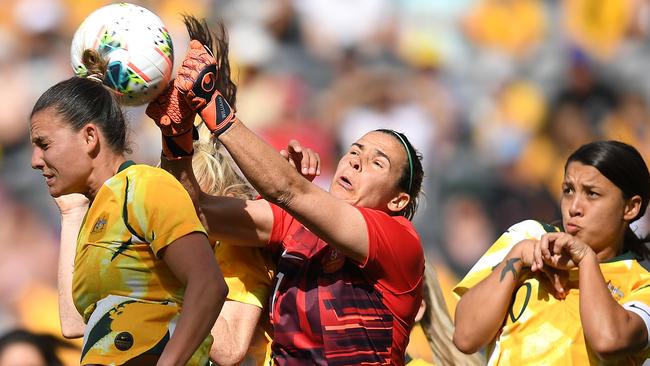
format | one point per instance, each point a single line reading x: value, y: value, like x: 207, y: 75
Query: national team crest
x: 332, y: 261
x: 100, y: 224
x: 615, y: 290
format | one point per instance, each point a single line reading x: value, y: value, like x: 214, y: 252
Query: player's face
x: 592, y: 207
x: 368, y: 174
x: 59, y: 153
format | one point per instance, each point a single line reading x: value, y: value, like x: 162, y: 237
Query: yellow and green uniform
x: 128, y: 297
x: 542, y: 330
x: 249, y: 273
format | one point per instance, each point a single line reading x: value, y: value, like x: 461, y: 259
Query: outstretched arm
x: 227, y: 219
x: 73, y: 208
x: 280, y: 184
x: 268, y: 172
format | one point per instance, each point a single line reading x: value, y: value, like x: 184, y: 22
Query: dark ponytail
x: 83, y: 100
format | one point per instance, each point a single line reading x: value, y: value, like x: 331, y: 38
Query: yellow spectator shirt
x: 542, y: 330
x: 128, y: 297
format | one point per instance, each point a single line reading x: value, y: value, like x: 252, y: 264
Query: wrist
x: 177, y: 147
x: 588, y: 258
x: 516, y: 252
x: 218, y: 115
x: 74, y: 213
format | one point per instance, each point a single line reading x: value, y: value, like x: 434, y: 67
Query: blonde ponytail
x: 438, y: 326
x: 214, y: 169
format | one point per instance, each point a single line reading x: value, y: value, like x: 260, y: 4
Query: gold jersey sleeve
x: 540, y: 329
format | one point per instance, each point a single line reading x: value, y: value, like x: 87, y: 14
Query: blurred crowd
x: 494, y: 93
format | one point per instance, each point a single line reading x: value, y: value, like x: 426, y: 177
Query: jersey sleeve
x: 160, y: 211
x: 248, y: 273
x: 395, y: 255
x: 281, y: 224
x: 638, y: 302
x: 529, y: 229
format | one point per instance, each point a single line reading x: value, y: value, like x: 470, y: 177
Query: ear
x: 420, y: 313
x: 632, y: 208
x: 90, y: 135
x: 399, y: 202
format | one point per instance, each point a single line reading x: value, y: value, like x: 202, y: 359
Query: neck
x: 611, y: 251
x: 104, y: 167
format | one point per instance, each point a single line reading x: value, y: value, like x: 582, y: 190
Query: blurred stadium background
x: 494, y: 93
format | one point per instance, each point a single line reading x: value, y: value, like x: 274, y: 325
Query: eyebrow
x: 377, y: 151
x: 583, y: 185
x: 38, y: 140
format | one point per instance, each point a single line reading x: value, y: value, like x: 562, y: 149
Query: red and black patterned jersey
x: 327, y: 309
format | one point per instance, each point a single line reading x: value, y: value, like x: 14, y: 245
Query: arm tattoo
x: 509, y: 267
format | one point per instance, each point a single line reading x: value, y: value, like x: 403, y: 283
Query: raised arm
x: 73, y: 208
x: 267, y: 171
x: 227, y: 219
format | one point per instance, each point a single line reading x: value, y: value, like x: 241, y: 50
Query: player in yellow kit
x: 143, y: 282
x: 242, y: 327
x: 578, y: 297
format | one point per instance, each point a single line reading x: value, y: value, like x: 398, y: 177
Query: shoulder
x: 532, y: 229
x: 379, y: 220
x: 145, y: 176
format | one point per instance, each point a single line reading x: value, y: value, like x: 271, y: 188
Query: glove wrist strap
x: 218, y: 115
x: 176, y: 147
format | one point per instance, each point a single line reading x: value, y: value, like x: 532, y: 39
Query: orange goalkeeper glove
x: 197, y: 80
x: 175, y: 119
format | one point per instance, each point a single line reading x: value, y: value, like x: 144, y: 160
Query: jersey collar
x: 125, y: 165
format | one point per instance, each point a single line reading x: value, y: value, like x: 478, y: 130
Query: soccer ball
x: 136, y: 45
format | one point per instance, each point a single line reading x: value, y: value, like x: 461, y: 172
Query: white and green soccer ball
x: 136, y: 45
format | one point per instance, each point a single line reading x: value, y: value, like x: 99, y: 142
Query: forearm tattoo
x: 509, y: 267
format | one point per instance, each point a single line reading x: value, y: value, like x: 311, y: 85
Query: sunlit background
x: 494, y: 93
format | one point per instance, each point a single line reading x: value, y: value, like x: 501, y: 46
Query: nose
x: 355, y: 163
x: 37, y: 159
x: 575, y: 206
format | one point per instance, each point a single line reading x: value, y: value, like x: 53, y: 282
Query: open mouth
x: 345, y: 182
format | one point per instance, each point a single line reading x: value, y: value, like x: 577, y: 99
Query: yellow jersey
x: 249, y: 273
x: 128, y: 297
x: 542, y: 330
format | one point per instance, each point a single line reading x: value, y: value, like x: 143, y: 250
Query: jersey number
x: 511, y: 311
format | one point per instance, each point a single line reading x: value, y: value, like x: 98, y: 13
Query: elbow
x: 232, y: 356
x: 220, y: 291
x: 217, y: 290
x: 607, y: 347
x: 465, y: 343
x: 466, y: 337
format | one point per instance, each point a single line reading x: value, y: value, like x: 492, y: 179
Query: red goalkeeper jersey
x: 327, y: 309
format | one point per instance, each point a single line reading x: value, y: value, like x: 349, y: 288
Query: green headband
x: 408, y: 155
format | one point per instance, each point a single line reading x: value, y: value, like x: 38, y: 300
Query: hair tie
x: 408, y: 155
x: 96, y: 78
